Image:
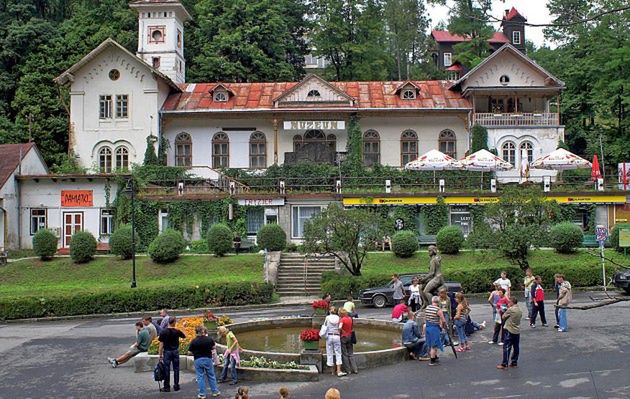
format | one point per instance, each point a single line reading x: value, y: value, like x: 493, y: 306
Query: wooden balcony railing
x: 516, y: 119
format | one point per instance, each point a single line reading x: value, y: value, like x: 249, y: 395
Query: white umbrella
x: 434, y: 160
x: 485, y: 161
x: 561, y: 159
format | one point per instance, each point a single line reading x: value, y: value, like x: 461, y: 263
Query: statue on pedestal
x: 434, y: 280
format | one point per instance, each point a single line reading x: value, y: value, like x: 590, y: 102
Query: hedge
x: 134, y: 300
x: 472, y: 280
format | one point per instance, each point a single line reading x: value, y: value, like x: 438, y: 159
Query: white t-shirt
x: 504, y: 283
x: 332, y: 322
x: 414, y: 291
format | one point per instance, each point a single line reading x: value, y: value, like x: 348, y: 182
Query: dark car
x: 383, y: 296
x: 621, y: 279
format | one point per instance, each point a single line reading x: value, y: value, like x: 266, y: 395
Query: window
x: 408, y: 94
x: 179, y: 38
x: 114, y: 74
x: 163, y: 220
x: 452, y: 75
x: 156, y: 34
x: 448, y: 59
x: 460, y: 216
x: 297, y: 143
x: 516, y: 37
x: 220, y: 96
x: 313, y: 93
x: 183, y: 150
x: 509, y: 152
x: 257, y: 150
x: 529, y: 148
x: 300, y: 215
x: 371, y: 148
x: 122, y: 106
x: 122, y: 158
x: 220, y: 151
x: 38, y: 220
x: 504, y: 80
x: 255, y: 220
x: 448, y: 143
x: 105, y: 106
x: 107, y: 222
x: 155, y: 61
x: 105, y: 160
x: 408, y: 147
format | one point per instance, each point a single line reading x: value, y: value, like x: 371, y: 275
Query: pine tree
x: 150, y: 158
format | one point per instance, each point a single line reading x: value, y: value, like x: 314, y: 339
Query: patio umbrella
x: 561, y: 159
x: 595, y: 172
x: 484, y: 161
x: 434, y: 160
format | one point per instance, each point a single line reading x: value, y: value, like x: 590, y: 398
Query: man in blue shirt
x: 413, y: 340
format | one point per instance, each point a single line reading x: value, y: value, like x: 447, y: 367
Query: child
x: 538, y: 303
x: 501, y: 307
x: 461, y: 316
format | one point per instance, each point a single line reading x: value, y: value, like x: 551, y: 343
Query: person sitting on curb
x: 413, y: 340
x: 400, y: 311
x: 143, y: 340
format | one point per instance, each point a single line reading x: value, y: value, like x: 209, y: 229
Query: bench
x: 427, y: 240
x: 590, y: 241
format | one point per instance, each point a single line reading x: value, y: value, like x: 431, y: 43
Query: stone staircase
x: 300, y: 275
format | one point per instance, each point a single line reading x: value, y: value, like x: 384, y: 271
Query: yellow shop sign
x: 585, y: 199
x: 471, y: 200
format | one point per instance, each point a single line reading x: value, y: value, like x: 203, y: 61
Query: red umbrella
x: 595, y: 173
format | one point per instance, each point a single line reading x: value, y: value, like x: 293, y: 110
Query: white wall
x: 520, y: 73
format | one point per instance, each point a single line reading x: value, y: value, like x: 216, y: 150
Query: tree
x: 346, y: 234
x: 354, y: 159
x: 150, y: 158
x: 479, y: 139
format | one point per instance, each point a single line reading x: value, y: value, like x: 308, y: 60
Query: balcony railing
x: 516, y: 119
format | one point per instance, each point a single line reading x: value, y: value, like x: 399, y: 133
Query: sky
x: 534, y: 10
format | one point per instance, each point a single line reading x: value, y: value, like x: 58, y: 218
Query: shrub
x: 219, y: 239
x: 120, y: 242
x: 167, y: 246
x: 404, y: 244
x: 199, y: 247
x: 82, y: 247
x: 44, y: 244
x: 449, y: 239
x: 566, y: 237
x: 272, y: 237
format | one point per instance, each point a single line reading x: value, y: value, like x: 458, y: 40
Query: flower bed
x: 262, y: 362
x: 187, y: 326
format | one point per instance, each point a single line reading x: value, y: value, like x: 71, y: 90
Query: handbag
x: 323, y: 331
x: 353, y: 338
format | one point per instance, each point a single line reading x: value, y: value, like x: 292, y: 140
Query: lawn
x: 61, y: 275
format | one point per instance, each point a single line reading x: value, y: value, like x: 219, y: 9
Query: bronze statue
x: 434, y: 280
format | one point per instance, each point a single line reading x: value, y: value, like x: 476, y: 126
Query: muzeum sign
x: 307, y: 125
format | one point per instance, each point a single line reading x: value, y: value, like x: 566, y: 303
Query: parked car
x: 621, y: 279
x: 383, y: 296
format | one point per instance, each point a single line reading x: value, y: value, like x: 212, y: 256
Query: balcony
x: 516, y: 119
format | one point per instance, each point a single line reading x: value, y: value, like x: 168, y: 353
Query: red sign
x: 76, y: 198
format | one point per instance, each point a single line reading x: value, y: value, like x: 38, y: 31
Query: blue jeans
x: 171, y: 357
x: 417, y: 347
x: 229, y: 362
x: 461, y: 330
x: 562, y: 319
x: 205, y: 368
x: 511, y: 343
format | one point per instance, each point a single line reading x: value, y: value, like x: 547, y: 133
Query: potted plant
x: 310, y: 338
x: 320, y: 307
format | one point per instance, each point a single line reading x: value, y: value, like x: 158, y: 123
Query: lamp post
x: 129, y: 190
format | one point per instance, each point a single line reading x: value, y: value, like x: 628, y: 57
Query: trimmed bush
x: 45, y: 244
x: 566, y: 237
x: 173, y: 297
x: 272, y: 237
x: 120, y: 242
x: 219, y: 239
x: 167, y: 247
x: 199, y: 247
x: 405, y: 244
x: 449, y: 239
x: 82, y: 247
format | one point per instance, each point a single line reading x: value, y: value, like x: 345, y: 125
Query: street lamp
x: 129, y: 190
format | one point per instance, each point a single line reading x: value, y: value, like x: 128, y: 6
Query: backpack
x: 158, y: 372
x: 469, y: 329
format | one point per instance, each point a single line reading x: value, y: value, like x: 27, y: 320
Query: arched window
x: 448, y: 143
x: 297, y: 143
x: 220, y: 151
x: 257, y: 150
x: 529, y: 148
x: 122, y: 158
x: 313, y: 94
x: 314, y: 136
x: 408, y: 94
x: 508, y: 151
x: 371, y: 148
x: 408, y: 147
x: 183, y: 150
x: 105, y: 160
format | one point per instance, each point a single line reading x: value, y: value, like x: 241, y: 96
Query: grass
x: 61, y: 275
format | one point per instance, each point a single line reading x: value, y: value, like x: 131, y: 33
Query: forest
x: 266, y: 40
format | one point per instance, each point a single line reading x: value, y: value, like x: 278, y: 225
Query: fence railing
x: 516, y: 119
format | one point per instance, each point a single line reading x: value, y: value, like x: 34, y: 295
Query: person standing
x: 434, y: 321
x: 512, y: 336
x: 446, y: 305
x: 538, y: 303
x: 201, y: 348
x: 399, y: 289
x: 502, y: 306
x: 493, y: 299
x: 333, y: 342
x: 556, y: 288
x: 565, y: 296
x: 143, y: 340
x: 461, y: 317
x: 169, y: 353
x: 231, y: 356
x: 414, y: 295
x: 412, y: 339
x: 347, y: 347
x: 504, y: 283
x: 527, y: 284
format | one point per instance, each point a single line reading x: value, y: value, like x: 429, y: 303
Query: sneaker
x: 341, y: 374
x: 532, y: 325
x: 513, y: 365
x: 492, y: 342
x: 215, y: 394
x: 561, y: 330
x: 176, y: 388
x: 500, y: 343
x: 545, y: 325
x: 455, y: 343
x: 501, y: 366
x: 200, y: 396
x: 424, y: 358
x: 114, y: 363
x: 483, y: 324
x: 433, y: 363
x: 556, y: 326
x: 233, y: 382
x: 165, y: 389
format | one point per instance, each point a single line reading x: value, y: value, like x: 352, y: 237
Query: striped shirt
x: 431, y: 314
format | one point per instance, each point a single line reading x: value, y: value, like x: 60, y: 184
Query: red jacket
x: 539, y: 293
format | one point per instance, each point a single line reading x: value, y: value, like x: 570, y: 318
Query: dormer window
x: 408, y: 94
x: 313, y: 94
x: 220, y: 96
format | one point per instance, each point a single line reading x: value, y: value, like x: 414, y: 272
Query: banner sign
x: 261, y: 202
x: 624, y: 238
x: 76, y: 198
x: 624, y: 175
x: 307, y: 125
x: 464, y: 200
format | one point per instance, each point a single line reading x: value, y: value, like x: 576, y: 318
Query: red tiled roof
x: 434, y: 94
x: 10, y: 159
x: 512, y: 14
x: 446, y: 36
x: 455, y: 68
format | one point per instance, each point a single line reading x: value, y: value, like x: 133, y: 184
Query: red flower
x: 320, y: 304
x: 310, y: 334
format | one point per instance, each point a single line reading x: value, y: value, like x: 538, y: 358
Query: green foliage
x: 435, y: 217
x: 479, y: 139
x: 167, y: 246
x: 120, y: 242
x: 354, y: 159
x: 163, y: 148
x: 171, y: 296
x: 272, y: 237
x: 82, y: 247
x: 220, y: 239
x: 405, y: 244
x: 199, y: 247
x: 566, y: 237
x: 450, y: 239
x: 45, y: 244
x: 613, y: 239
x: 150, y: 157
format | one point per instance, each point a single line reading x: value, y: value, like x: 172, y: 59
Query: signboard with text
x: 76, y: 198
x: 624, y: 238
x: 307, y: 125
x: 261, y: 202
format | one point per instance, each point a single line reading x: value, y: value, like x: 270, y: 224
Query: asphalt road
x: 67, y: 359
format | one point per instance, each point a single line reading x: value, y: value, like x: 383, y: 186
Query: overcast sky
x: 534, y: 10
